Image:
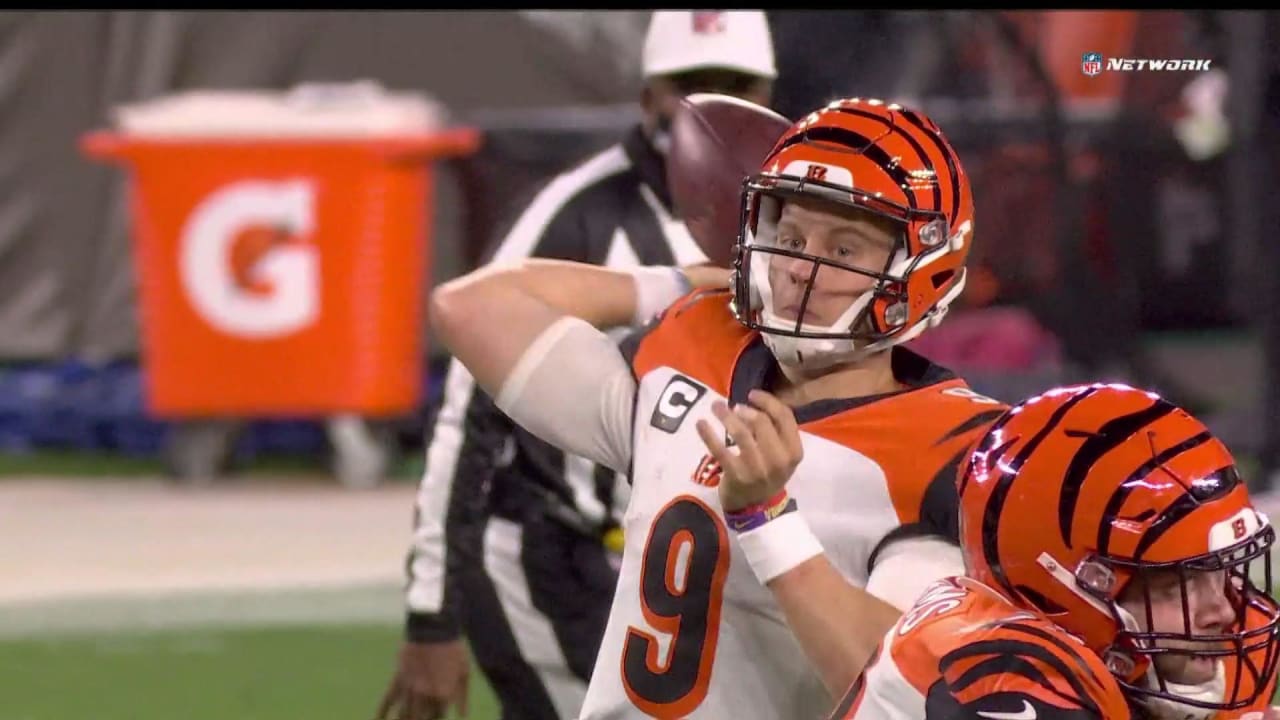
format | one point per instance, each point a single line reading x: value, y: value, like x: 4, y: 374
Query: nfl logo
x: 1091, y: 64
x: 708, y: 22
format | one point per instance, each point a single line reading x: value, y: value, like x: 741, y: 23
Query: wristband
x: 778, y: 546
x: 656, y: 288
x: 753, y: 516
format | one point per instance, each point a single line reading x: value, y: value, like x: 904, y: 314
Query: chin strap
x: 1211, y: 691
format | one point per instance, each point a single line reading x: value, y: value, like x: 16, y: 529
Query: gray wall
x: 66, y: 282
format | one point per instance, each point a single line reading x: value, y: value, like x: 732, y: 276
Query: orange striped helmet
x: 1073, y: 494
x: 887, y: 160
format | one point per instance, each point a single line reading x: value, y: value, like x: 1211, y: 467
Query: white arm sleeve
x: 573, y: 388
x: 906, y: 567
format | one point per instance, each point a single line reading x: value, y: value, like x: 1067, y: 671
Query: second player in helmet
x: 1115, y: 568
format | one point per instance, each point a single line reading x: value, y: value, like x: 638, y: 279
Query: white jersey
x: 691, y: 632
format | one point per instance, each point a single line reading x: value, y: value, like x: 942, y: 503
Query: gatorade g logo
x: 243, y: 261
x: 678, y: 397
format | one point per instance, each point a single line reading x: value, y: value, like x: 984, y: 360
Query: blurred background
x: 165, y: 551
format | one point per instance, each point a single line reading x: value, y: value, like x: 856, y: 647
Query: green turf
x: 77, y: 464
x: 85, y: 464
x: 320, y: 672
x: 302, y: 673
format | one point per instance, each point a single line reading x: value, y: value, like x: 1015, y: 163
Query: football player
x: 854, y: 239
x: 1113, y: 562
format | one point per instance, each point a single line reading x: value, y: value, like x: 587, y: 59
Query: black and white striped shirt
x: 613, y: 209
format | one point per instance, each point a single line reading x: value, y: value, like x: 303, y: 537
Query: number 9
x: 685, y: 607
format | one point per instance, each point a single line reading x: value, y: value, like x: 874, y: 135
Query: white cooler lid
x: 358, y: 109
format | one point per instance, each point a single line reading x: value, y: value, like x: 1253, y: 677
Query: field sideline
x: 136, y: 600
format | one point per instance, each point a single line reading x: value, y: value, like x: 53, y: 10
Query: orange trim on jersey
x: 960, y: 625
x: 917, y: 661
x: 917, y: 434
x: 994, y: 684
x: 697, y: 336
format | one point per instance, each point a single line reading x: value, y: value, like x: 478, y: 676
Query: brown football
x: 716, y: 142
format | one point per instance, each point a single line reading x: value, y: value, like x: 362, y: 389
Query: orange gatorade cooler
x: 281, y: 244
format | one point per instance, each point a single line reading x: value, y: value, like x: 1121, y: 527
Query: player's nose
x: 1216, y: 612
x: 800, y: 270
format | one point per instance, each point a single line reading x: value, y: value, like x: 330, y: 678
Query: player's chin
x: 819, y: 314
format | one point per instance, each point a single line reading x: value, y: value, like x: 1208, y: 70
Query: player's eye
x: 843, y: 251
x: 791, y: 242
x: 1164, y: 586
x: 1212, y: 582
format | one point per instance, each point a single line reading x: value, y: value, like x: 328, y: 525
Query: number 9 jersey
x: 691, y: 631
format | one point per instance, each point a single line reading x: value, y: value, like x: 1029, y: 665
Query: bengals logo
x: 1239, y: 529
x: 708, y: 473
x: 817, y: 173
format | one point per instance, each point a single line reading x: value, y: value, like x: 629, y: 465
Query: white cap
x: 681, y: 40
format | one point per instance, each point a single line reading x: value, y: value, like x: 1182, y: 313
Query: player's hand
x: 1271, y: 713
x: 766, y: 448
x: 429, y: 678
x: 707, y: 276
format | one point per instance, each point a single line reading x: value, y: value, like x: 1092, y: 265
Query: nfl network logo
x: 708, y: 22
x: 1091, y: 64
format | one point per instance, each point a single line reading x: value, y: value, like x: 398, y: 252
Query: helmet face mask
x: 762, y: 201
x: 1159, y: 641
x: 1146, y: 546
x: 862, y: 156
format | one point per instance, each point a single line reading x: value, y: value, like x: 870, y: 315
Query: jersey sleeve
x: 688, y: 329
x: 1023, y: 672
x: 909, y: 566
x: 573, y: 389
x: 938, y: 511
x: 1012, y: 672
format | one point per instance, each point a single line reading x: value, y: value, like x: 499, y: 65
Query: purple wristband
x: 752, y: 518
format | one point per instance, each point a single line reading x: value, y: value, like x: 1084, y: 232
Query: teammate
x: 855, y: 236
x: 508, y: 529
x: 1111, y: 555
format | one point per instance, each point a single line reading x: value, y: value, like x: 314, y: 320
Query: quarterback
x: 789, y: 370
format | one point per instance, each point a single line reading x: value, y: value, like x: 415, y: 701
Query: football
x: 716, y: 142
